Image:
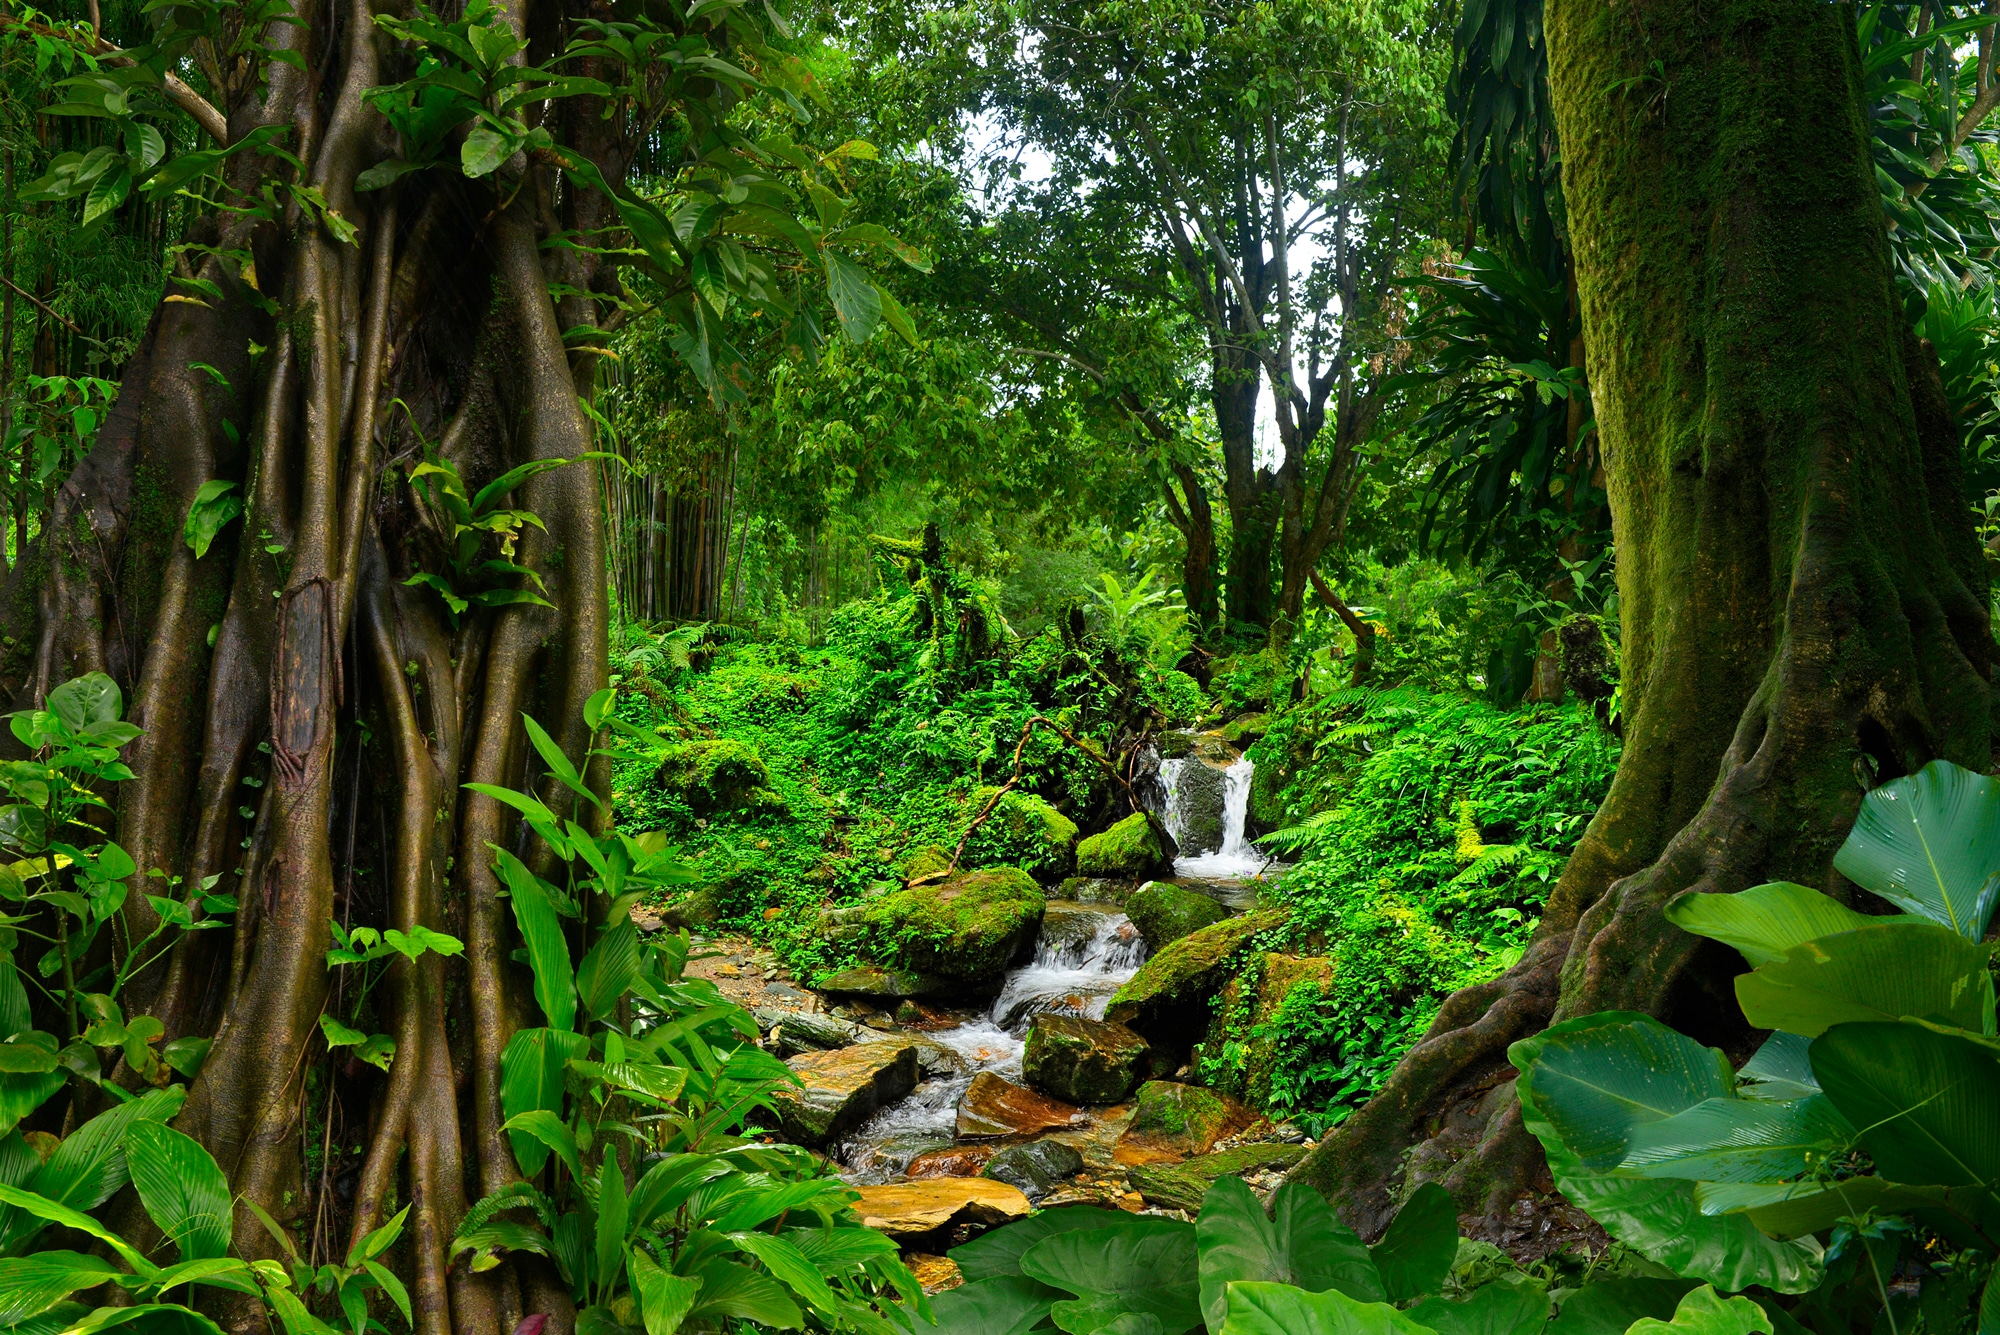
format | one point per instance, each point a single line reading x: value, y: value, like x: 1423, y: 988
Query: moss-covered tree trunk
x: 1804, y: 605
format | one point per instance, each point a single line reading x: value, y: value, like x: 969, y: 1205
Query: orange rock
x: 935, y: 1273
x: 996, y: 1107
x: 913, y: 1209
x: 957, y: 1161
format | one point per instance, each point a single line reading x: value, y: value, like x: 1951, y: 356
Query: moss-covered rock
x: 1245, y: 729
x: 1172, y: 1121
x: 967, y: 929
x: 1131, y: 849
x: 872, y: 980
x: 714, y: 776
x: 1181, y: 1186
x: 1168, y: 999
x: 1247, y: 1019
x: 1023, y: 831
x: 926, y: 863
x: 1103, y: 890
x: 1083, y: 1061
x: 1164, y: 913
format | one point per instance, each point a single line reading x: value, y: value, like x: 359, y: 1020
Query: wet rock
x: 800, y: 1031
x: 996, y: 1107
x: 1110, y: 891
x: 909, y: 1012
x: 1131, y: 849
x: 704, y: 907
x: 1036, y: 1168
x: 1168, y: 999
x: 1181, y: 1186
x: 1199, y: 807
x: 1245, y: 729
x: 1070, y: 924
x: 871, y: 980
x: 1171, y: 1122
x: 843, y: 1088
x: 1176, y: 745
x: 1083, y: 1061
x: 713, y: 777
x: 1164, y: 913
x: 935, y: 1273
x: 915, y: 1209
x: 953, y: 1161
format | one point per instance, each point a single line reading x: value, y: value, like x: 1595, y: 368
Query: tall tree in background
x: 1804, y: 606
x: 366, y: 355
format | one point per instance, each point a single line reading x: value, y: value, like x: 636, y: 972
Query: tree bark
x: 1804, y: 607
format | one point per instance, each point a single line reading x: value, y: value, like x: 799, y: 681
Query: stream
x: 1085, y: 953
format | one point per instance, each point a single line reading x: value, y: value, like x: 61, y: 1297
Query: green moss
x: 1164, y: 913
x: 1170, y: 994
x: 1130, y: 849
x: 1024, y: 831
x: 969, y: 928
x: 1186, y: 1117
x: 713, y: 776
x: 927, y: 861
x: 1181, y: 1186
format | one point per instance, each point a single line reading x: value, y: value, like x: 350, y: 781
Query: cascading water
x: 1077, y: 967
x: 1203, y: 857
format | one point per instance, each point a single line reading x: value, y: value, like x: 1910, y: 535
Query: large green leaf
x: 542, y: 932
x: 608, y: 970
x: 1416, y: 1253
x: 531, y: 1078
x: 30, y: 1285
x: 1140, y: 1264
x: 1793, y: 1210
x: 856, y: 299
x: 1886, y: 972
x: 1658, y: 1218
x: 664, y: 1299
x: 1706, y: 1312
x: 1765, y: 921
x: 82, y: 1223
x: 1928, y: 1104
x: 1300, y: 1243
x: 1279, y: 1309
x: 1497, y: 1309
x: 1740, y: 1140
x: 182, y: 1187
x: 157, y: 1319
x: 996, y: 1305
x: 1780, y: 1069
x: 1609, y: 1306
x: 1930, y: 845
x: 1598, y: 1083
x: 732, y: 1290
x: 89, y: 1165
x: 21, y: 1094
x: 999, y: 1253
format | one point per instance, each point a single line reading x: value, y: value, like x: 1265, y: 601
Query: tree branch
x: 211, y: 121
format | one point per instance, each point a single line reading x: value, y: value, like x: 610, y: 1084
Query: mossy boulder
x: 1245, y: 729
x: 1259, y: 1039
x: 1164, y: 913
x: 1168, y: 999
x: 926, y: 863
x: 1267, y: 797
x: 1131, y: 850
x: 714, y: 777
x: 1180, y: 1186
x: 966, y: 930
x: 1083, y: 1061
x: 1036, y: 1167
x: 1172, y: 1121
x: 1023, y: 831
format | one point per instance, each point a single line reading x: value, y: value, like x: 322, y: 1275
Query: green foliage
x: 1437, y: 825
x: 641, y: 1184
x: 1878, y: 1096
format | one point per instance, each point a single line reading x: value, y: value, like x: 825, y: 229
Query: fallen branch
x: 993, y: 803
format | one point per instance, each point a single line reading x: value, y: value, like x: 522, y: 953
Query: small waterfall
x: 1191, y: 819
x: 1074, y: 972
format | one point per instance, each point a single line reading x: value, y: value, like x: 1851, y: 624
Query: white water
x: 1066, y: 977
x: 1238, y: 858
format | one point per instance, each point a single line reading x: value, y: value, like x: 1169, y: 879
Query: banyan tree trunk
x: 290, y: 674
x: 1803, y: 602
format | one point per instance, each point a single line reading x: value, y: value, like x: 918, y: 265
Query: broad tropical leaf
x: 1496, y: 1309
x: 1741, y: 1140
x: 996, y: 1305
x: 1873, y: 973
x: 1279, y: 1309
x: 998, y: 1254
x: 1138, y: 1265
x: 1765, y: 921
x: 182, y: 1187
x: 1599, y: 1083
x: 1706, y: 1312
x: 1930, y: 845
x: 30, y: 1285
x: 1416, y: 1253
x: 1301, y: 1243
x: 1928, y: 1104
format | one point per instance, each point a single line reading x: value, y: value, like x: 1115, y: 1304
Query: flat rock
x: 843, y: 1088
x: 1171, y: 1122
x: 953, y: 1161
x: 870, y: 980
x: 996, y: 1107
x: 1036, y: 1168
x: 1084, y: 1061
x: 800, y: 1032
x: 1181, y: 1186
x: 914, y: 1209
